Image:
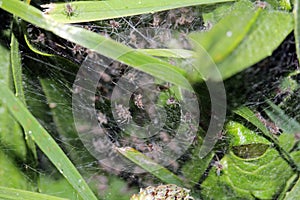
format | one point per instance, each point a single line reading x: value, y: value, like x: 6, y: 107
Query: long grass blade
x: 149, y: 165
x: 46, y: 143
x: 85, y: 11
x: 17, y: 194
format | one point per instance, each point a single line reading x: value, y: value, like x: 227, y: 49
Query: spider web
x: 45, y: 77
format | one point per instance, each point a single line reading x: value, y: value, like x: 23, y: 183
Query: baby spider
x: 70, y: 11
x: 219, y: 166
x: 123, y: 113
x: 138, y: 101
x: 260, y: 4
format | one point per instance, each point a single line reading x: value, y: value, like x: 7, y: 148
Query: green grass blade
x: 297, y: 27
x: 16, y: 68
x: 169, y: 53
x: 16, y: 194
x: 46, y: 143
x: 100, y: 44
x: 286, y: 123
x: 149, y: 165
x: 85, y: 11
x: 11, y: 134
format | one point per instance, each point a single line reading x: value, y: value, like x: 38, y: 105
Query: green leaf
x: 297, y: 27
x: 169, y: 53
x: 250, y: 116
x: 286, y: 123
x: 196, y: 167
x: 211, y: 17
x: 10, y: 175
x: 149, y: 165
x: 294, y: 193
x: 289, y: 126
x: 261, y: 177
x: 16, y: 67
x: 53, y: 186
x: 11, y: 134
x: 45, y: 143
x: 240, y: 178
x: 242, y: 38
x: 15, y: 194
x: 85, y: 11
x: 240, y: 135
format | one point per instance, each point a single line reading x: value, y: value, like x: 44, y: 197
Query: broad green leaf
x: 85, y: 11
x: 262, y: 177
x: 244, y: 136
x: 242, y: 38
x: 100, y: 44
x: 297, y: 27
x: 250, y: 116
x: 45, y: 142
x: 149, y: 165
x: 15, y: 194
x: 211, y: 17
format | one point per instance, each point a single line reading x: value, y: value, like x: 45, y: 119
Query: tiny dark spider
x: 70, y: 11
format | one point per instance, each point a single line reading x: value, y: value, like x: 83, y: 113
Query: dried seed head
x: 163, y: 192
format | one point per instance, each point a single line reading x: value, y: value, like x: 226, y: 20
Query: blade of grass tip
x: 16, y: 194
x: 286, y: 123
x: 46, y: 143
x: 100, y: 44
x: 86, y: 11
x: 149, y: 165
x: 169, y: 53
x: 251, y: 117
x: 16, y: 68
x: 297, y: 27
x: 35, y: 50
